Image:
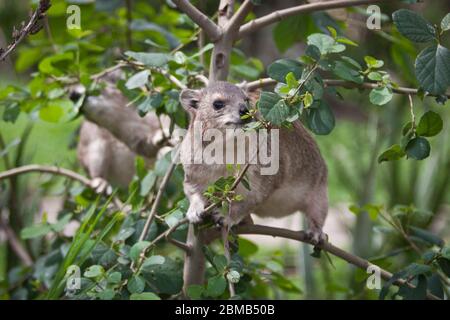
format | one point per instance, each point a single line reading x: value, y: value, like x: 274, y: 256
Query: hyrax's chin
x: 234, y: 124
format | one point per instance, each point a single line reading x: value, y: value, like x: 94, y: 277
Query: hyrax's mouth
x: 234, y: 123
x: 239, y: 123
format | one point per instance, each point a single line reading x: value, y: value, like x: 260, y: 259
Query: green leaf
x: 246, y: 247
x: 149, y: 59
x: 325, y: 43
x: 291, y: 30
x: 107, y: 294
x: 395, y: 152
x: 375, y: 76
x: 49, y: 65
x: 320, y: 118
x: 216, y: 286
x: 195, y: 291
x: 413, y: 26
x: 137, y: 248
x: 426, y: 236
x: 138, y: 80
x: 150, y: 102
x: 136, y: 284
x: 417, y: 293
x: 164, y: 278
x: 415, y: 269
x: 124, y: 234
x: 342, y: 70
x: 273, y: 108
x: 308, y: 100
x: 144, y: 296
x: 220, y: 262
x: 418, y: 148
x: 381, y: 96
x: 28, y: 57
x: 313, y: 52
x: 279, y: 69
x: 445, y: 23
x: 35, y: 231
x: 429, y: 125
x: 11, y: 112
x: 152, y: 261
x: 444, y: 264
x: 435, y: 286
x: 291, y: 81
x: 51, y: 113
x: 373, y: 63
x: 433, y: 69
x: 147, y: 183
x: 94, y: 271
x: 352, y: 63
x: 115, y: 277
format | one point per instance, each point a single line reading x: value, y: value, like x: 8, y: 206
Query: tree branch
x: 266, y: 82
x: 279, y: 15
x: 210, y: 28
x: 369, y: 85
x: 20, y: 251
x: 46, y: 169
x: 239, y: 16
x: 31, y: 27
x: 302, y: 237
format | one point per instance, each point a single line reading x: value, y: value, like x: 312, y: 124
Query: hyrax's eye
x: 218, y: 104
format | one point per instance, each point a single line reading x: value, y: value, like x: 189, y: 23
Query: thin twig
x: 107, y: 71
x: 266, y: 82
x: 46, y: 169
x: 31, y: 27
x: 413, y: 116
x: 279, y: 15
x: 159, y: 195
x: 53, y: 170
x: 155, y: 205
x: 20, y: 250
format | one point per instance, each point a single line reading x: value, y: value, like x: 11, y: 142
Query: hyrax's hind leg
x: 316, y: 210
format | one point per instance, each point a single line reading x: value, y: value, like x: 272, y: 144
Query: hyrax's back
x: 301, y: 183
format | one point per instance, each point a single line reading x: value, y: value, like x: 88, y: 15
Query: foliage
x: 106, y: 245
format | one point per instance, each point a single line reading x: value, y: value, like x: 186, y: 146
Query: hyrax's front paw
x: 101, y: 186
x: 317, y: 237
x: 195, y: 211
x: 159, y: 139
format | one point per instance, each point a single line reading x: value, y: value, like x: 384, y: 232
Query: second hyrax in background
x: 299, y: 185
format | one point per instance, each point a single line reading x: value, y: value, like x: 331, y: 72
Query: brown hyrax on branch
x: 113, y: 134
x: 299, y: 184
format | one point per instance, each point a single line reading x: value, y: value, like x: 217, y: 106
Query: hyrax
x: 109, y: 142
x: 299, y: 185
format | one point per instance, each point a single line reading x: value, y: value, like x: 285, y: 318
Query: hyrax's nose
x: 243, y: 110
x: 76, y: 92
x: 74, y: 95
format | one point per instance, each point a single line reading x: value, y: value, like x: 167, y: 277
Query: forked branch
x: 208, y: 26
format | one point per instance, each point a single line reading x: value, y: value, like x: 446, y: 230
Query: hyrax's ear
x: 189, y: 99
